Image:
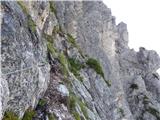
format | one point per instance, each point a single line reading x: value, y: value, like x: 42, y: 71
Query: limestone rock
x: 45, y: 47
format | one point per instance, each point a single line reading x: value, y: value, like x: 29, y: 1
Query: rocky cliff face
x: 70, y: 61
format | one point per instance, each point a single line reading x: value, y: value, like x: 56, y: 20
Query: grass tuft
x: 31, y: 24
x: 94, y: 64
x: 48, y: 38
x: 83, y: 109
x: 108, y: 82
x: 58, y: 30
x: 75, y: 66
x: 64, y: 63
x: 71, y: 40
x: 42, y: 102
x: 29, y: 114
x: 72, y: 103
x: 121, y: 111
x: 76, y: 116
x: 24, y: 9
x: 10, y: 116
x: 51, y: 49
x: 50, y: 45
x: 145, y: 100
x: 52, y: 7
x: 134, y: 86
x: 154, y: 112
x: 51, y: 116
x: 55, y: 30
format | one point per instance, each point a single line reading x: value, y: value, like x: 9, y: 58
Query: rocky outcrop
x: 24, y: 67
x: 69, y: 60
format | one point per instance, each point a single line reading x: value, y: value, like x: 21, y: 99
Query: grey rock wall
x: 34, y: 40
x: 25, y: 71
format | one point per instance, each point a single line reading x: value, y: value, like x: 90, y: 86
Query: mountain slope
x: 70, y: 61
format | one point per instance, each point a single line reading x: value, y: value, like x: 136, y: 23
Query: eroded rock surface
x: 69, y: 60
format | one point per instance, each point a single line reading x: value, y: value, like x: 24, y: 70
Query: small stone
x: 63, y: 90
